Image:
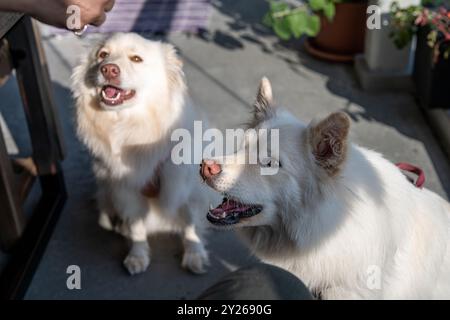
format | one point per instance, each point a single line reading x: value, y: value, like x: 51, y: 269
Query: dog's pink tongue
x: 232, y: 205
x: 110, y: 92
x: 227, y: 205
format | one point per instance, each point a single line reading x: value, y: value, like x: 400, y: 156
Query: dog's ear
x: 328, y: 141
x: 263, y: 105
x: 174, y: 67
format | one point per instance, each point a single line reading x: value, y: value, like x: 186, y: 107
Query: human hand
x: 54, y: 12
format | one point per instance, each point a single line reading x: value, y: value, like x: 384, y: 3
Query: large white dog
x: 130, y: 95
x: 342, y: 218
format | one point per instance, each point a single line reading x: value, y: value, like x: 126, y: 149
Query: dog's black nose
x: 110, y: 71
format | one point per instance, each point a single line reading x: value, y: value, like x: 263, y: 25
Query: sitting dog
x: 342, y: 218
x: 130, y: 95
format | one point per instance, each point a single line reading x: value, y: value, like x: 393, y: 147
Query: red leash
x: 416, y: 170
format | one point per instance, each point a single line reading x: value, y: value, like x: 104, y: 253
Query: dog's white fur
x: 342, y: 218
x: 131, y: 144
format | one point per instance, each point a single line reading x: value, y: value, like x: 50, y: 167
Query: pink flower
x: 421, y: 20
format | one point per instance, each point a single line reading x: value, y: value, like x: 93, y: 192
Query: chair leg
x: 27, y: 253
x: 45, y: 134
x: 35, y: 89
x: 12, y: 219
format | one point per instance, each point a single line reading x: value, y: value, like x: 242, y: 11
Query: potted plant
x: 335, y: 28
x: 430, y: 21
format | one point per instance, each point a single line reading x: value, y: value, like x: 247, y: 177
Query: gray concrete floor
x: 223, y: 69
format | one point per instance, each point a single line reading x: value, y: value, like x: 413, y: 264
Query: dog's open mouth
x: 113, y: 96
x: 231, y: 212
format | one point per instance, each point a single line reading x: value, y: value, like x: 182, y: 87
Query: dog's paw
x: 136, y: 263
x: 195, y: 261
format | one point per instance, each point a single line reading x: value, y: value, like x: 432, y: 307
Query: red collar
x: 416, y: 170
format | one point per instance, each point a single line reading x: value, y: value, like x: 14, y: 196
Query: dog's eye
x: 136, y: 58
x: 102, y: 54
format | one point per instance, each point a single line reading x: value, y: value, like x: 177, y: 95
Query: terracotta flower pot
x: 342, y: 38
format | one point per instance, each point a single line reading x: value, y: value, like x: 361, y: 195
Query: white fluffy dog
x: 342, y: 218
x: 130, y: 94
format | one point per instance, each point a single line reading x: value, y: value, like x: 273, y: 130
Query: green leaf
x: 267, y: 20
x: 434, y: 3
x: 329, y: 10
x: 276, y: 6
x: 281, y: 28
x: 312, y: 26
x: 298, y: 23
x: 317, y: 5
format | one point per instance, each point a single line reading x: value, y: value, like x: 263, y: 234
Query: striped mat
x: 151, y: 16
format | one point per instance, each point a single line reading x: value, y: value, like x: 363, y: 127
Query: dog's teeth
x: 115, y: 98
x: 211, y: 207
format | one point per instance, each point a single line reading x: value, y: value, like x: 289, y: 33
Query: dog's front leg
x: 108, y: 217
x: 138, y: 259
x: 133, y: 209
x: 195, y: 256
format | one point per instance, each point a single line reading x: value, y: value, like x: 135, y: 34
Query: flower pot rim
x: 325, y: 55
